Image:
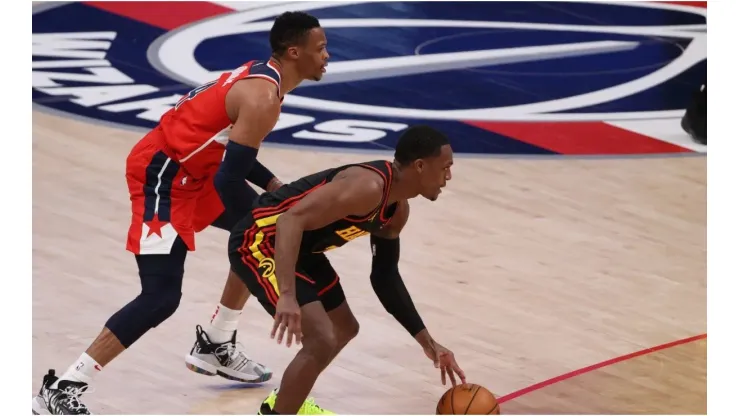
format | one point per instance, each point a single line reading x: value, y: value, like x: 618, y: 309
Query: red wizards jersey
x: 196, y: 130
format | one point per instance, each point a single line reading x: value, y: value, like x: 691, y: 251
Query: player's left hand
x: 444, y: 359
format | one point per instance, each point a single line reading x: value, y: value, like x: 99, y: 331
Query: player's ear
x: 292, y: 52
x: 419, y: 165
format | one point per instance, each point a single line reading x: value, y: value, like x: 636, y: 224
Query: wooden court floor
x: 527, y: 269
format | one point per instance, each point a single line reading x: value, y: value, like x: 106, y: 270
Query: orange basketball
x: 468, y: 399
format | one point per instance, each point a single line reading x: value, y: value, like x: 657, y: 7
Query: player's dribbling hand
x: 444, y: 359
x: 287, y: 316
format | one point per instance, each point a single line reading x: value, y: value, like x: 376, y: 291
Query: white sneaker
x: 228, y: 360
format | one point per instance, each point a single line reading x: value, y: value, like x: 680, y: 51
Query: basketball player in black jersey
x: 278, y: 249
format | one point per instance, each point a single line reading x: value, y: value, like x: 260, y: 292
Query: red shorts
x: 165, y: 200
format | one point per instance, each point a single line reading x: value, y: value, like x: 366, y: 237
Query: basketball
x: 468, y: 399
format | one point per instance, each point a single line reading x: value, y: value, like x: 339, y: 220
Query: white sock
x: 223, y: 324
x: 84, y: 369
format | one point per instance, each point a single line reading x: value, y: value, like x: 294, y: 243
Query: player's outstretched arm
x: 355, y: 191
x: 392, y: 293
x: 255, y: 106
x: 385, y: 276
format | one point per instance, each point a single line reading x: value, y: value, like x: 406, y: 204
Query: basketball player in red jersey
x: 187, y: 173
x: 278, y: 250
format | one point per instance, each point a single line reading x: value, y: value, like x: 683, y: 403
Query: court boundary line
x: 593, y: 367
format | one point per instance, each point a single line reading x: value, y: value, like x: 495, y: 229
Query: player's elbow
x: 220, y: 181
x: 229, y: 179
x: 237, y: 161
x: 388, y: 233
x: 228, y: 191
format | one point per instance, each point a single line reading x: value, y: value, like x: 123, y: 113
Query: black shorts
x: 251, y: 254
x: 226, y: 221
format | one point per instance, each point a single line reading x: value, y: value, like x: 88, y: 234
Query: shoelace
x: 232, y: 352
x: 72, y: 398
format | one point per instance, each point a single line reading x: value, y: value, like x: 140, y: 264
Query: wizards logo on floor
x: 497, y: 77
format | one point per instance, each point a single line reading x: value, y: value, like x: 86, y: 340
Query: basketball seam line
x: 452, y: 400
x: 471, y: 400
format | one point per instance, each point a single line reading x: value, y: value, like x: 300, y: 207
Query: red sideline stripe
x: 162, y: 14
x: 580, y: 138
x: 584, y: 370
x: 701, y: 4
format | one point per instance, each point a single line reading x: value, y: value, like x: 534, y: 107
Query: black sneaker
x: 62, y: 400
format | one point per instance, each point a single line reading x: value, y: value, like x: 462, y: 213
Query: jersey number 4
x: 190, y: 95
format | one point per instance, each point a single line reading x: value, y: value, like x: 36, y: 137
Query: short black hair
x: 289, y: 29
x: 419, y: 142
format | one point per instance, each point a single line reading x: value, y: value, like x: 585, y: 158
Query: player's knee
x: 354, y: 328
x: 145, y: 312
x: 321, y: 346
x: 347, y: 332
x: 161, y: 287
x: 166, y: 302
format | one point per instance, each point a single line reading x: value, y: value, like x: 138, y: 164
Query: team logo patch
x: 505, y: 78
